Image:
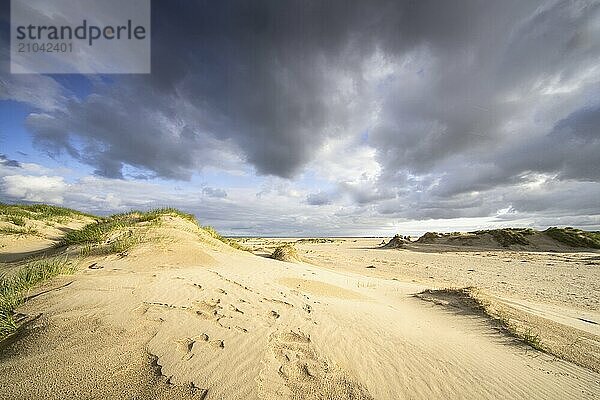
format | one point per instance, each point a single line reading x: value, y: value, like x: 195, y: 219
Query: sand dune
x: 183, y: 315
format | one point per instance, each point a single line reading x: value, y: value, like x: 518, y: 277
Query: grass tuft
x: 16, y: 220
x: 124, y: 243
x: 13, y: 289
x: 532, y: 339
x: 287, y: 252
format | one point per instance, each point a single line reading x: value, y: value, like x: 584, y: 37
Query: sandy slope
x: 16, y: 247
x: 225, y: 324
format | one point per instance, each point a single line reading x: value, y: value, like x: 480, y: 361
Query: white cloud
x: 43, y: 189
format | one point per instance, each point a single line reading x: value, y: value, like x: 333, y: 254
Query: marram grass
x: 14, y: 288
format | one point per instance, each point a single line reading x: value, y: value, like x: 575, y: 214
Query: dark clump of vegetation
x: 509, y: 236
x: 315, y: 240
x: 286, y: 252
x: 575, y: 237
x: 13, y: 289
x: 16, y: 220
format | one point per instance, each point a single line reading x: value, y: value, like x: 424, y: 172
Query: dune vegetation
x: 509, y: 236
x: 468, y: 301
x: 19, y: 213
x: 14, y: 288
x: 114, y: 234
x: 523, y: 237
x: 575, y: 237
x: 287, y: 252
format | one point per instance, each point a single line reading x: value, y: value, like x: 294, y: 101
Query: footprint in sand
x: 304, y: 372
x: 185, y: 346
x: 204, y: 337
x: 285, y: 303
x: 207, y: 309
x: 235, y: 309
x: 217, y: 343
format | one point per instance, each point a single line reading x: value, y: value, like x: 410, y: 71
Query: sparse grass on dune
x: 124, y: 226
x: 18, y: 215
x: 27, y: 230
x: 468, y: 301
x: 505, y: 237
x: 16, y: 220
x: 95, y: 233
x: 120, y: 244
x: 509, y: 236
x: 231, y: 242
x: 532, y: 339
x: 116, y: 233
x: 13, y: 289
x: 99, y: 231
x: 46, y: 212
x: 575, y: 237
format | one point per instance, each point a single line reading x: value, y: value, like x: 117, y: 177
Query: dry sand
x: 185, y: 318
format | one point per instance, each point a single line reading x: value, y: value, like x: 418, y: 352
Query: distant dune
x: 153, y: 305
x: 552, y: 239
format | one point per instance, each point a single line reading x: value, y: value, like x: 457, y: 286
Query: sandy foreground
x: 183, y: 317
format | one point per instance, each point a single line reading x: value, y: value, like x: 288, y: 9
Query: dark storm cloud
x: 318, y: 199
x: 214, y: 192
x: 7, y: 162
x: 463, y: 101
x: 571, y: 149
x: 477, y: 87
x: 274, y: 78
x: 568, y: 152
x: 116, y: 129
